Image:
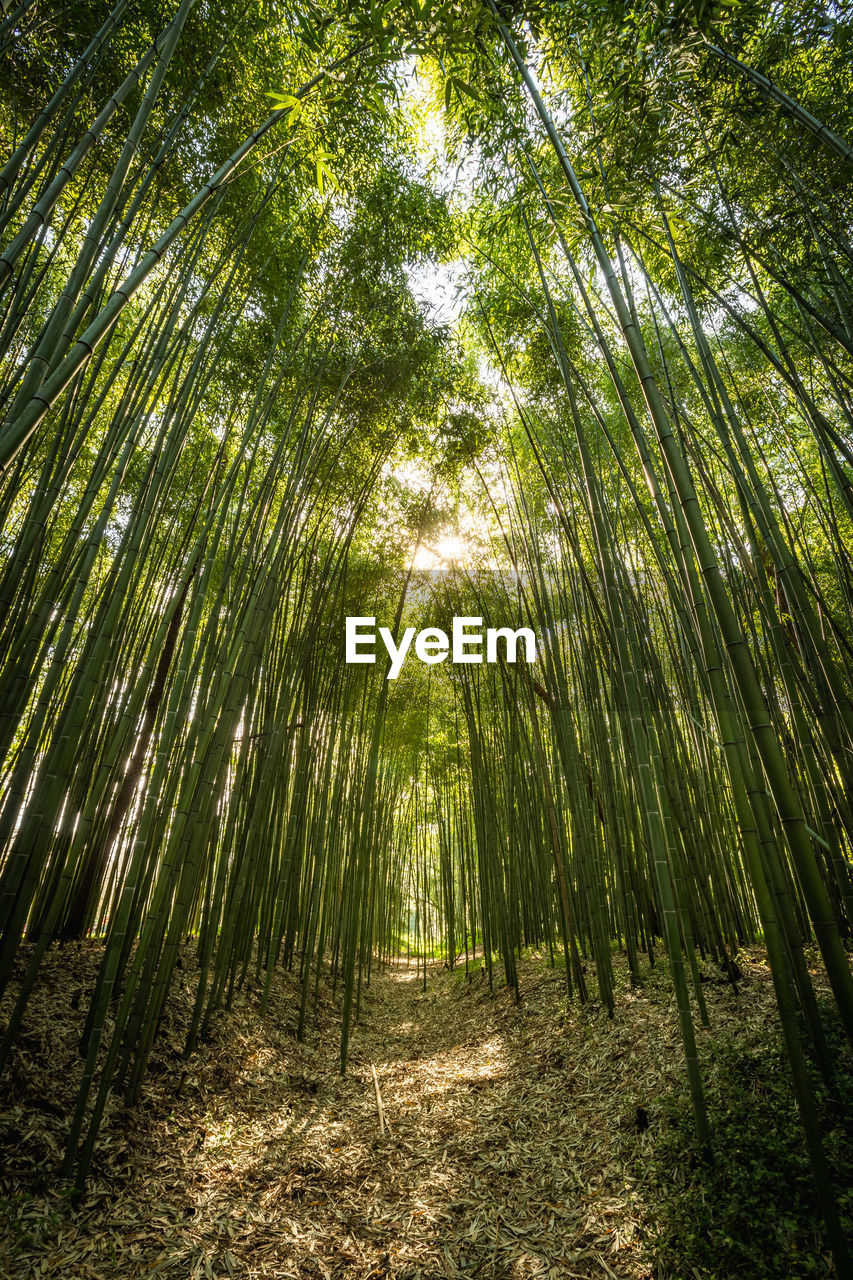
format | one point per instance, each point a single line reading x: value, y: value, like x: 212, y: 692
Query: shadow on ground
x: 512, y: 1150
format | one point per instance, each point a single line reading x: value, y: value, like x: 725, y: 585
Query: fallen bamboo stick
x: 383, y: 1123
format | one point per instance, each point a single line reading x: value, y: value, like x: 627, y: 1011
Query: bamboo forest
x: 426, y: 639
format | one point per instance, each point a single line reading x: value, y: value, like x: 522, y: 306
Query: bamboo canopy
x: 235, y: 413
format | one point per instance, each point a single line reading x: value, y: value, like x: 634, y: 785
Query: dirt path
x: 474, y: 1178
x: 511, y: 1149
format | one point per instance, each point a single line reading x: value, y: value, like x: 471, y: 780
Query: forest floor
x: 514, y: 1146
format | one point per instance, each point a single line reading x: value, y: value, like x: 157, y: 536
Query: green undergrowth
x: 410, y: 946
x: 754, y: 1214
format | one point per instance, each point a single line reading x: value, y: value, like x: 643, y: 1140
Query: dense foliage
x: 233, y: 415
x: 754, y: 1213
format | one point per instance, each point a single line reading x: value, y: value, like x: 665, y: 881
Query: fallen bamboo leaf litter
x: 510, y: 1148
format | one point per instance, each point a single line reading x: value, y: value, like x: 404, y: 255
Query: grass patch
x: 755, y: 1214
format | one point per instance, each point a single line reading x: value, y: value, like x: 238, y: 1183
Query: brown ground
x: 512, y: 1149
